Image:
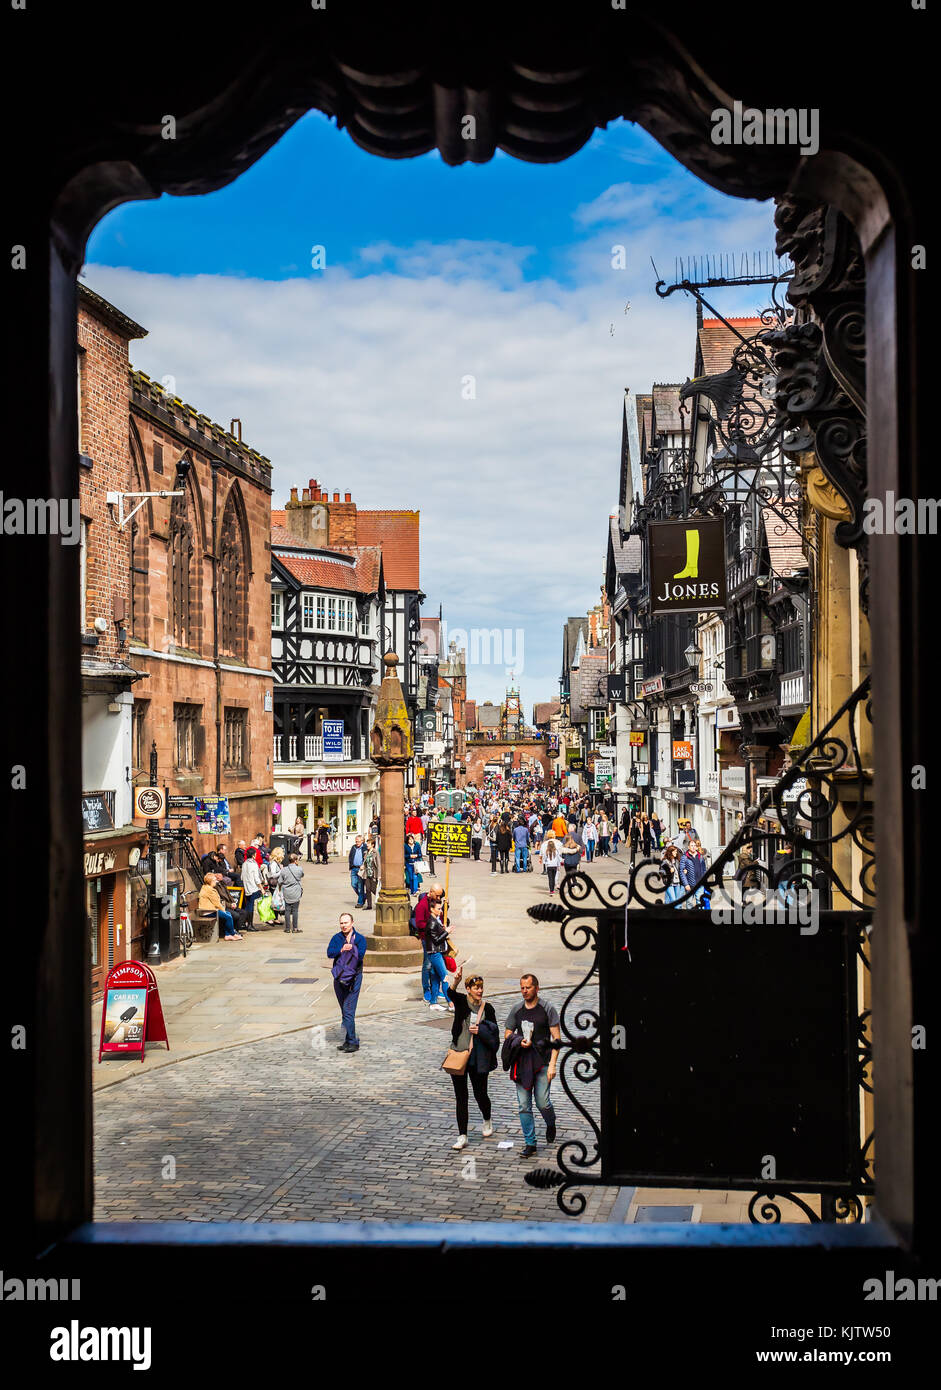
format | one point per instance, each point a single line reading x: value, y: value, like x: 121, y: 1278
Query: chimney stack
x: 313, y: 487
x: 336, y: 497
x: 347, y: 497
x: 294, y: 496
x: 306, y: 494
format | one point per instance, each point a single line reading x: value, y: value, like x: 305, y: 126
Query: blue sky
x: 357, y: 374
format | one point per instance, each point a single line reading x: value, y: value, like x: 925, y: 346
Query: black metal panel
x: 740, y: 1044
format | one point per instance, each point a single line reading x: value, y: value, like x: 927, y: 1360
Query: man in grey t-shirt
x: 536, y: 1061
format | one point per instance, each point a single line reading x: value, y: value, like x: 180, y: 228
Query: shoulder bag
x: 456, y: 1060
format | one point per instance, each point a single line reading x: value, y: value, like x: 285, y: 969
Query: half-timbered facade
x: 326, y: 607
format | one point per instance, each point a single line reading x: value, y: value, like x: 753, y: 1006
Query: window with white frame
x: 277, y: 609
x: 365, y: 627
x: 326, y: 613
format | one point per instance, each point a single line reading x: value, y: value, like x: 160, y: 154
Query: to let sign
x: 333, y: 740
x: 682, y: 751
x: 687, y: 565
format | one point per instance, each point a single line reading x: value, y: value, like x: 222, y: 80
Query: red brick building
x: 112, y: 843
x: 175, y: 614
x: 200, y: 609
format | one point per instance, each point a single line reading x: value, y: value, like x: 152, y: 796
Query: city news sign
x: 687, y: 565
x: 449, y: 839
x: 637, y: 738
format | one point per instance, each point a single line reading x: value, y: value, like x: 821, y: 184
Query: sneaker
x: 460, y: 1142
x: 488, y: 1129
x: 550, y: 1133
x: 528, y: 1150
x: 437, y: 1008
x: 343, y: 1047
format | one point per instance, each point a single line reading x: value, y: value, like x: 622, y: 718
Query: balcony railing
x: 289, y: 748
x: 793, y: 690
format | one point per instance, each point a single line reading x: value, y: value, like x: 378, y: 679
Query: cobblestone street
x: 283, y: 1129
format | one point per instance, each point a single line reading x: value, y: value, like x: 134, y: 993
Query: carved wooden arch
x: 539, y: 98
x: 399, y: 96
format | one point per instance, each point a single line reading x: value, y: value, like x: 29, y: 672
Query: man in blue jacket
x: 356, y: 861
x: 347, y: 950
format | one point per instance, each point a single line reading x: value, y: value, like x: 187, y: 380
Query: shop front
x: 109, y: 859
x: 346, y: 803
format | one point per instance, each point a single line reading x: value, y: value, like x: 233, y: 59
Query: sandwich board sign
x: 131, y: 1012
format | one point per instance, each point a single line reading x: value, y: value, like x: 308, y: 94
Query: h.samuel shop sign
x: 325, y: 785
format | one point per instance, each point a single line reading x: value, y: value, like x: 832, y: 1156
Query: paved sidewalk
x: 269, y: 983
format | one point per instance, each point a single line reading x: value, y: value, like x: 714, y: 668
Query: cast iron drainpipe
x: 215, y: 630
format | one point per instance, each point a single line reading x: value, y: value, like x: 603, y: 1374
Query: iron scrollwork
x: 833, y: 764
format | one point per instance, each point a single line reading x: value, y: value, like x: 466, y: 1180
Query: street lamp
x: 693, y: 654
x: 736, y: 469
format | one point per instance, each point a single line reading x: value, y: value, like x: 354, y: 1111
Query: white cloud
x: 357, y: 381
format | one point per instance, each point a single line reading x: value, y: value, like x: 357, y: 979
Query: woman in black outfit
x: 504, y: 845
x: 483, y: 1038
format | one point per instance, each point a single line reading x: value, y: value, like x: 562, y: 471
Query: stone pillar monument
x: 390, y: 946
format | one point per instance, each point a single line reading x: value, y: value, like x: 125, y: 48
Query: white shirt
x: 251, y: 877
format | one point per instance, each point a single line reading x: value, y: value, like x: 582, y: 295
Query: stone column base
x: 392, y: 953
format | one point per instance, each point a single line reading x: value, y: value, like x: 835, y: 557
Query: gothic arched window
x: 232, y: 583
x: 180, y: 575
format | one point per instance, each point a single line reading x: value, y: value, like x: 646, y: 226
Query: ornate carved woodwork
x: 820, y: 364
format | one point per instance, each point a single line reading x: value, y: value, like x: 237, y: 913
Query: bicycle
x: 186, y: 927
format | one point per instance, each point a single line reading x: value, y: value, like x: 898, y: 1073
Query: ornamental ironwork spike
x: 545, y: 1178
x: 547, y: 912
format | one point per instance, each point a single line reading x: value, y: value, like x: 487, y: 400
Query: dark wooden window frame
x: 53, y: 1084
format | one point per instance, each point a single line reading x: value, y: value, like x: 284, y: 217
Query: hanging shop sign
x: 637, y: 738
x: 701, y: 688
x: 212, y: 815
x: 332, y: 730
x: 615, y: 686
x: 682, y: 751
x: 149, y: 802
x: 131, y: 1012
x: 95, y: 813
x: 687, y: 565
x: 450, y: 839
x: 652, y: 687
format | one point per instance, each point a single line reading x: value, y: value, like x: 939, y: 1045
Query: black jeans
x: 475, y: 846
x: 478, y: 1080
x: 551, y: 871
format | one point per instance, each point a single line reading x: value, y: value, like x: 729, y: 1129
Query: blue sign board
x: 333, y: 740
